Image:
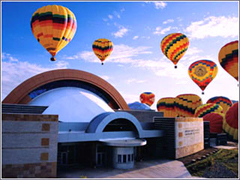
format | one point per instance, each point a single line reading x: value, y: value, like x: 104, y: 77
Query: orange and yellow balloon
x: 174, y: 46
x: 147, y: 98
x: 186, y: 104
x: 228, y: 58
x: 167, y: 106
x: 54, y: 27
x: 202, y: 72
x: 102, y: 48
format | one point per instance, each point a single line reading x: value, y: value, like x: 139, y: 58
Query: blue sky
x: 136, y: 29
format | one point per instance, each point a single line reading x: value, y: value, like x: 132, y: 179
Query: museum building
x: 62, y: 118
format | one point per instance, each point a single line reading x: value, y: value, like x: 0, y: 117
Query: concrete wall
x: 29, y: 145
x: 188, y: 136
x: 144, y: 116
x: 182, y: 136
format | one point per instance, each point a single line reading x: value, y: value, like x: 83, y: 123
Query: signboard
x: 188, y: 136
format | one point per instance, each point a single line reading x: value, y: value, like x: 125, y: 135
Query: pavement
x: 145, y: 169
x: 230, y: 145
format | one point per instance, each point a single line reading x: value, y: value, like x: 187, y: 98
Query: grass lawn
x: 223, y: 164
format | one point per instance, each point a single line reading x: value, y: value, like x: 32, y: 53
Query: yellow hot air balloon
x: 186, y: 104
x: 54, y: 27
x: 202, y: 72
x: 174, y: 46
x: 167, y: 106
x: 228, y: 58
x: 102, y: 48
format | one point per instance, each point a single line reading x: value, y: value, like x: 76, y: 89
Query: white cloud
x: 130, y: 98
x: 120, y: 33
x: 214, y: 26
x: 133, y: 80
x: 6, y: 56
x: 15, y: 72
x: 105, y: 77
x: 168, y: 21
x: 160, y: 4
x: 159, y: 30
x: 104, y: 19
x: 110, y: 16
x: 135, y: 37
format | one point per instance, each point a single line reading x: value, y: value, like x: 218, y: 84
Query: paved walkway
x: 144, y: 169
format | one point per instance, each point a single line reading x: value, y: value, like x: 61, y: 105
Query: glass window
x: 129, y: 157
x: 132, y: 157
x: 119, y: 158
x: 124, y: 158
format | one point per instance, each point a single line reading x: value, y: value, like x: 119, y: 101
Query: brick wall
x: 29, y: 145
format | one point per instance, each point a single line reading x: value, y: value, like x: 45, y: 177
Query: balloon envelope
x: 167, y: 106
x: 224, y: 102
x: 215, y: 121
x: 147, y: 98
x: 207, y: 108
x: 102, y: 48
x: 54, y: 27
x: 185, y: 104
x: 230, y: 124
x: 174, y: 46
x: 228, y: 58
x: 202, y: 72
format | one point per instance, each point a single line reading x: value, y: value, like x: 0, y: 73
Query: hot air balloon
x: 224, y: 102
x: 54, y: 27
x: 207, y: 108
x: 202, y: 72
x: 230, y: 124
x: 228, y: 58
x: 215, y: 121
x: 174, y: 46
x: 147, y: 98
x: 166, y: 105
x: 185, y: 104
x: 102, y: 48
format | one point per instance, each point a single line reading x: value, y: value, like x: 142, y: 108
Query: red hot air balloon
x: 147, y: 98
x: 230, y: 124
x: 215, y: 120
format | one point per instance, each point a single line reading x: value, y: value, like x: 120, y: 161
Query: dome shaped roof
x: 138, y: 106
x: 72, y: 104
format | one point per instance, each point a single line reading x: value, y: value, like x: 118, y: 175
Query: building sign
x: 188, y: 136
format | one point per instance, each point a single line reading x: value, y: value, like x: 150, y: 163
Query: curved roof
x: 21, y: 94
x: 72, y: 104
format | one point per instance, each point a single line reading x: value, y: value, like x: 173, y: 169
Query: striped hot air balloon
x: 215, y: 121
x: 230, y: 124
x: 174, y: 46
x: 185, y: 104
x: 228, y: 58
x: 202, y: 72
x: 54, y: 27
x: 224, y: 102
x: 147, y: 98
x: 207, y: 108
x: 167, y: 106
x: 102, y: 48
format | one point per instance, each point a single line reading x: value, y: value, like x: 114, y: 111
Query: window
x: 129, y: 157
x: 119, y: 158
x: 124, y: 158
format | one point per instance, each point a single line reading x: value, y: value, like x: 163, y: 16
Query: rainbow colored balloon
x: 224, y: 102
x: 102, y: 48
x: 230, y: 124
x: 228, y: 58
x: 167, y: 106
x: 174, y: 46
x: 147, y: 98
x: 185, y: 104
x: 54, y: 27
x: 207, y: 108
x: 215, y: 121
x: 202, y: 72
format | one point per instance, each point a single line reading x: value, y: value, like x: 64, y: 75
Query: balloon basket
x: 53, y: 59
x: 175, y: 67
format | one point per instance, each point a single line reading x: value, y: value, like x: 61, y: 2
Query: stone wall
x: 29, y: 145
